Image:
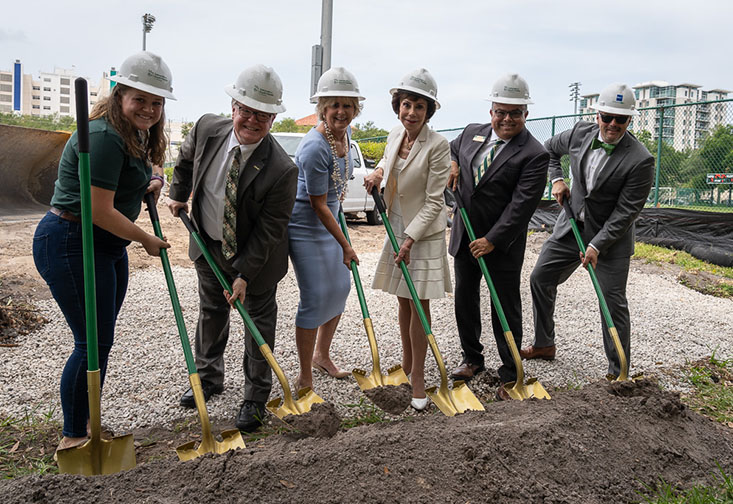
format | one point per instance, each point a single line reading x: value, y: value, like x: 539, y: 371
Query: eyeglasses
x: 247, y: 113
x: 514, y: 114
x: 607, y: 118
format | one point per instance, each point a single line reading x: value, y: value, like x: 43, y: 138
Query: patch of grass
x: 27, y: 444
x: 721, y: 492
x: 712, y: 394
x: 366, y: 413
x: 656, y: 254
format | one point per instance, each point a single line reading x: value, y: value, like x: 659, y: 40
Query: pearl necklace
x: 338, y: 181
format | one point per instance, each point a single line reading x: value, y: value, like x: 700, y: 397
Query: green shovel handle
x: 354, y: 269
x: 185, y: 343
x: 220, y: 276
x: 591, y: 271
x: 482, y: 264
x: 87, y: 233
x: 406, y: 274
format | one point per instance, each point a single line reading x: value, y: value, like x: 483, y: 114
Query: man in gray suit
x: 243, y: 189
x: 611, y: 174
x: 500, y: 170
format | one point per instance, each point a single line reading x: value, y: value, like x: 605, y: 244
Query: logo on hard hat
x: 512, y: 89
x: 342, y: 82
x: 157, y: 76
x: 619, y: 97
x: 418, y: 79
x: 263, y: 91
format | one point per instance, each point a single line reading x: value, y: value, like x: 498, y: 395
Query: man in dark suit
x: 500, y: 171
x: 611, y: 174
x: 243, y: 189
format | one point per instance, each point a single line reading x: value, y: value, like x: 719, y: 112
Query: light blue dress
x: 317, y: 258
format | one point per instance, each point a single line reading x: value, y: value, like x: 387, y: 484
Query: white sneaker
x: 419, y: 404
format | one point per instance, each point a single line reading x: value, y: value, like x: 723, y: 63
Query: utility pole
x: 321, y: 53
x: 148, y: 20
x: 575, y: 95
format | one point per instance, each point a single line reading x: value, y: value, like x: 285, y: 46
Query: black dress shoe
x: 251, y: 416
x: 209, y: 389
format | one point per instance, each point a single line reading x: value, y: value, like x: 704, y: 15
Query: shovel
x: 279, y: 407
x: 230, y: 439
x: 450, y: 402
x: 516, y: 389
x: 97, y: 455
x: 395, y: 375
x: 624, y: 375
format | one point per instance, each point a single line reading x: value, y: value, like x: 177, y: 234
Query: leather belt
x: 65, y: 214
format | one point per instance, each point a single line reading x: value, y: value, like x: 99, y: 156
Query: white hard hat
x: 147, y: 72
x: 510, y: 89
x: 337, y: 82
x: 260, y: 88
x: 617, y: 99
x: 419, y: 82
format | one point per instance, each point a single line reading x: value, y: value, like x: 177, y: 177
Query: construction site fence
x: 692, y: 145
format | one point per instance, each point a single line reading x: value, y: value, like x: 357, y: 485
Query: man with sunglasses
x: 500, y: 170
x: 611, y: 174
x: 243, y: 188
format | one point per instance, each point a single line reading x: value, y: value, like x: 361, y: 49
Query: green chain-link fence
x: 692, y: 144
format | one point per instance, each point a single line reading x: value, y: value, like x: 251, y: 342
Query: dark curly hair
x: 401, y: 95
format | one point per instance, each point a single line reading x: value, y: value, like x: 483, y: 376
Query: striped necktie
x: 484, y: 166
x: 229, y: 228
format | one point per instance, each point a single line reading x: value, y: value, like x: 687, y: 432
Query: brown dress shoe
x: 502, y: 394
x: 466, y: 371
x: 533, y: 352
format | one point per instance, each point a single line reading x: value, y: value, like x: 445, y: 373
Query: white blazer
x: 421, y: 181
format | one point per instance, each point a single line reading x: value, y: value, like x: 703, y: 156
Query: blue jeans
x: 57, y: 252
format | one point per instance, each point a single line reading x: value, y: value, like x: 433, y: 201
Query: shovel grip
x: 378, y: 200
x: 82, y: 114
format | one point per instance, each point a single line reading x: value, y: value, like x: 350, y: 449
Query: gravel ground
x: 146, y: 375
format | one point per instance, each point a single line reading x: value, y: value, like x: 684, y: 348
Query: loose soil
x: 390, y: 398
x: 603, y: 443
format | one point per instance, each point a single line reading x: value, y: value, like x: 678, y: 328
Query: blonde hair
x: 326, y: 101
x: 147, y: 145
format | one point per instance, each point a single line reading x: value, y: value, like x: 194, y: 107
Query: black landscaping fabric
x: 705, y: 235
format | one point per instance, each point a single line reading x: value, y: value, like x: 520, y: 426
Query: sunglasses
x: 607, y: 118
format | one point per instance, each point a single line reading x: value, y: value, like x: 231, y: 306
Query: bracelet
x: 158, y: 177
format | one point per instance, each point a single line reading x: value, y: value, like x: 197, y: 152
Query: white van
x: 357, y: 200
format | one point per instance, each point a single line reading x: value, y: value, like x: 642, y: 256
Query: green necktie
x: 606, y: 146
x: 229, y: 228
x: 483, y: 167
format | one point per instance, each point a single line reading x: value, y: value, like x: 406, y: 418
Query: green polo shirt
x: 111, y: 168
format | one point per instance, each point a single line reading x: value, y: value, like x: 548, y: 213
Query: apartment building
x: 52, y: 93
x: 681, y: 127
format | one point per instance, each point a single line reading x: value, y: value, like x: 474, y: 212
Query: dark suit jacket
x: 502, y: 203
x: 619, y: 193
x: 265, y: 198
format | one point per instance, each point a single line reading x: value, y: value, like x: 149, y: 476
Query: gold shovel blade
x: 230, y: 440
x: 532, y: 390
x: 282, y: 407
x: 452, y: 402
x: 100, y: 457
x: 395, y: 376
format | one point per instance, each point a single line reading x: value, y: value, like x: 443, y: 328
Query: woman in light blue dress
x: 319, y: 251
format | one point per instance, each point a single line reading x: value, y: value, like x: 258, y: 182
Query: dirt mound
x: 599, y: 444
x: 391, y: 399
x: 321, y: 421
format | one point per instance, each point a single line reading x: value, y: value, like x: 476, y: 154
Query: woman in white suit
x: 416, y: 165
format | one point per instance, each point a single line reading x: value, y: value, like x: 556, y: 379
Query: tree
x: 367, y: 130
x: 50, y: 122
x: 186, y: 129
x: 287, y: 125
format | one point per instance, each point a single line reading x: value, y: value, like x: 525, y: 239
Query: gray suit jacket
x: 265, y: 198
x: 618, y: 194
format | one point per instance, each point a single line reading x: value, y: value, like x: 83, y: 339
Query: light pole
x: 321, y: 53
x: 148, y: 20
x: 575, y: 95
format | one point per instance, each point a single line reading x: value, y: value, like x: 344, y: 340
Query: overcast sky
x: 466, y: 45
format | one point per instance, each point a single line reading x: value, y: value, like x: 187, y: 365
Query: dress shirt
x: 478, y: 159
x: 213, y: 189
